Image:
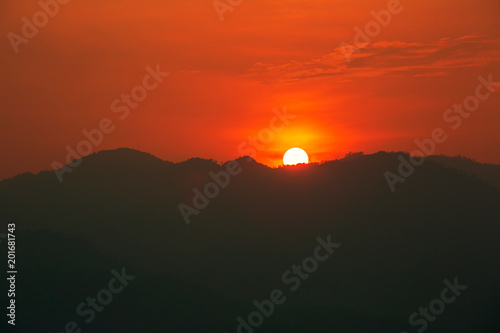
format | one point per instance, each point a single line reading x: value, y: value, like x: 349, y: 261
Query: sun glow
x: 295, y: 156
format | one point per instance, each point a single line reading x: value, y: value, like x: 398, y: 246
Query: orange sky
x: 227, y: 77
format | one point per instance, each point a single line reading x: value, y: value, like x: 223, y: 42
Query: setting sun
x: 295, y: 156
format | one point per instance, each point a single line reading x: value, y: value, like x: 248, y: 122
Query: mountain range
x: 121, y: 208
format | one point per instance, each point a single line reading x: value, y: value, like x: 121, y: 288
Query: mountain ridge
x: 105, y: 158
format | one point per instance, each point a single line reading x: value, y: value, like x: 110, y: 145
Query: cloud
x: 390, y: 58
x: 431, y: 74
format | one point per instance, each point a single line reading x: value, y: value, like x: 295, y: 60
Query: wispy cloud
x: 389, y: 58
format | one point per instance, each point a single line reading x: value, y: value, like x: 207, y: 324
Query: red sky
x: 226, y: 77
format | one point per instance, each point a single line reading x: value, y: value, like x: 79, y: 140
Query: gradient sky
x: 227, y: 77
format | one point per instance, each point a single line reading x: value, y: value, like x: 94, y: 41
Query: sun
x: 295, y: 156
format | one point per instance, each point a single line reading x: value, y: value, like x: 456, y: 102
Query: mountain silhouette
x: 121, y: 208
